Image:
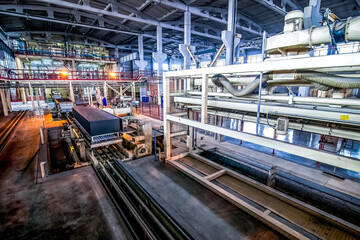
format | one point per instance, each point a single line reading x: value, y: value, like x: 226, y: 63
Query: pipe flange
x: 310, y: 31
x: 346, y: 28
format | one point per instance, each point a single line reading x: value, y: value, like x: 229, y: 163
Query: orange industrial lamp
x: 112, y: 74
x: 64, y: 74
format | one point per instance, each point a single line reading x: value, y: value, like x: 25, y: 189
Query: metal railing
x: 70, y: 55
x: 53, y: 75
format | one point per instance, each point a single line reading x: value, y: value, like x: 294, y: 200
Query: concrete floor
x: 199, y: 211
x: 68, y: 205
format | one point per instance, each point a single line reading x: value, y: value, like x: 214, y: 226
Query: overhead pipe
x: 296, y: 99
x: 306, y: 127
x: 295, y: 37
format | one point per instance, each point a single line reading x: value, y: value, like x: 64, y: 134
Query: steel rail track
x: 9, y: 129
x: 143, y: 215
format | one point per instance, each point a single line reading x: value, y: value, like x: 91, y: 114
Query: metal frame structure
x: 89, y: 16
x: 322, y: 63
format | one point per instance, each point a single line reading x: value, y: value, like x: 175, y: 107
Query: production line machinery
x: 89, y: 129
x: 63, y: 106
x: 291, y: 60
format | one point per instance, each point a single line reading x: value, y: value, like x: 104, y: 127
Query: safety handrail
x: 63, y: 54
x: 25, y: 74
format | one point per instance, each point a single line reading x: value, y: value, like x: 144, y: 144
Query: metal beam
x: 124, y: 7
x: 279, y: 9
x: 102, y: 42
x: 339, y: 61
x: 122, y: 16
x: 199, y: 12
x: 320, y: 114
x: 243, y: 17
x: 76, y: 15
x: 309, y: 153
x: 27, y: 16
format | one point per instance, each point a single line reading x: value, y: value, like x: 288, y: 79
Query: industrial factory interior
x: 179, y: 119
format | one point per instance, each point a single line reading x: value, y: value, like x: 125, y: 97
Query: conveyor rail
x: 292, y: 218
x: 143, y: 215
x: 9, y: 128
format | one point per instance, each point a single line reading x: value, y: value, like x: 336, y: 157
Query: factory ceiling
x: 115, y: 23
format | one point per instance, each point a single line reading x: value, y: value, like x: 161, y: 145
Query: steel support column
x: 73, y: 69
x: 8, y: 99
x: 183, y: 48
x: 105, y: 92
x: 312, y: 16
x: 89, y: 95
x: 23, y: 95
x: 37, y: 97
x: 3, y: 102
x: 141, y: 63
x: 204, y: 98
x: 91, y: 98
x: 133, y: 91
x: 32, y: 96
x: 228, y: 35
x: 167, y: 138
x: 159, y: 57
x: 71, y: 92
x: 20, y: 67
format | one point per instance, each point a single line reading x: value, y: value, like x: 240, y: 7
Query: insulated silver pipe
x: 336, y: 132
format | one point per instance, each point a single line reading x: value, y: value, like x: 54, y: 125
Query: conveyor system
x: 62, y: 106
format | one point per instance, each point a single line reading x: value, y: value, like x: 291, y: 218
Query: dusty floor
x: 68, y: 205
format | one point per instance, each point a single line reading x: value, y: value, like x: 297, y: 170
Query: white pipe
x: 353, y: 30
x: 312, y: 36
x: 314, y: 100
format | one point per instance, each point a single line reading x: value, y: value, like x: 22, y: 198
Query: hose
x: 319, y: 79
x: 331, y: 30
x: 321, y: 87
x: 221, y: 81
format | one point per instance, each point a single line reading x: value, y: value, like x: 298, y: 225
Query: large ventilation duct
x: 296, y: 39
